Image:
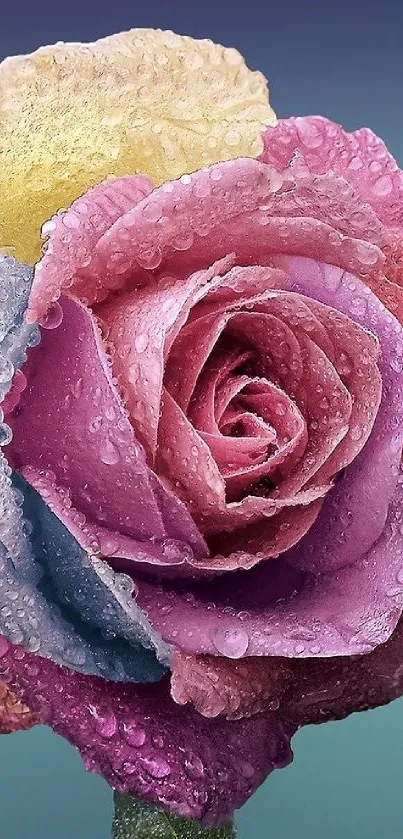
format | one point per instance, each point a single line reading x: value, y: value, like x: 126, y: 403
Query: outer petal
x: 76, y: 232
x: 40, y: 611
x: 303, y: 691
x: 328, y: 689
x: 361, y: 157
x: 247, y: 207
x: 141, y: 101
x: 363, y: 160
x: 13, y: 715
x: 142, y: 743
x: 217, y: 685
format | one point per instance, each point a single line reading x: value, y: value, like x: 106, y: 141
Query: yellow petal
x: 141, y: 101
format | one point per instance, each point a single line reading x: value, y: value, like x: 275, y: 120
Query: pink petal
x: 355, y: 514
x: 305, y: 691
x: 237, y: 194
x: 186, y: 461
x: 73, y: 236
x: 169, y: 557
x: 319, y: 690
x: 360, y: 157
x: 244, y: 203
x: 184, y: 365
x: 142, y: 743
x: 302, y: 369
x: 142, y: 325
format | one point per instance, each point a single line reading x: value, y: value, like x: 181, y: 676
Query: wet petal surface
x: 144, y: 744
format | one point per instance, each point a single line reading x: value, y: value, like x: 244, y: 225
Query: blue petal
x: 54, y: 599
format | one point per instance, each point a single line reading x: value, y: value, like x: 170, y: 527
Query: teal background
x: 344, y: 60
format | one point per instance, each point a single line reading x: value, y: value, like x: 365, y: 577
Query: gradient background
x: 344, y: 60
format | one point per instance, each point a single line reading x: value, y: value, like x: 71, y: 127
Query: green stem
x: 136, y: 820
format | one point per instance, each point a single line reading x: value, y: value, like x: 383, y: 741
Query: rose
x: 248, y: 255
x: 157, y: 104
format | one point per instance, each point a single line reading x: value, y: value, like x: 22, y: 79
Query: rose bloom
x: 204, y: 434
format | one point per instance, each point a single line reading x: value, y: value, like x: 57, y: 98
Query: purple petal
x: 276, y: 610
x: 354, y: 513
x: 144, y: 744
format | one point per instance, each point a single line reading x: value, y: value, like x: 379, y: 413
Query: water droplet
x: 109, y: 546
x: 194, y: 766
x: 247, y: 770
x: 77, y: 388
x: 134, y: 736
x: 157, y: 766
x: 47, y: 228
x: 231, y: 642
x: 109, y: 453
x: 95, y: 425
x: 6, y: 370
x: 141, y: 342
x: 106, y: 724
x: 6, y: 435
x: 53, y: 317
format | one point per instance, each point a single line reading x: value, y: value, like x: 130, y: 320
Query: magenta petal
x: 327, y: 689
x: 142, y: 743
x: 71, y: 421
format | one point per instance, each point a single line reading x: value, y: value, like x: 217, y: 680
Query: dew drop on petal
x: 134, y: 736
x: 109, y: 453
x: 157, y: 766
x: 53, y: 318
x: 232, y: 643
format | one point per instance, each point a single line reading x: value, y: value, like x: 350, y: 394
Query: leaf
x: 134, y: 819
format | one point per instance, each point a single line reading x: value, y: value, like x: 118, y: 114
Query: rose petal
x: 13, y: 715
x: 363, y: 160
x: 304, y: 691
x: 235, y: 689
x: 240, y: 197
x: 144, y: 744
x: 186, y: 461
x: 242, y: 206
x: 332, y: 688
x: 139, y: 101
x: 306, y: 368
x: 277, y: 610
x: 354, y: 514
x: 360, y: 157
x: 36, y: 613
x: 76, y: 576
x: 75, y: 234
x: 75, y: 425
x: 142, y: 325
